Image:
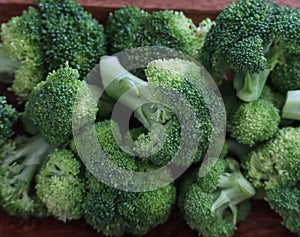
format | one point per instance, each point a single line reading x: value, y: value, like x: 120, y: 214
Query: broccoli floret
x: 291, y: 108
x: 22, y: 40
x: 59, y: 186
x: 125, y: 30
x: 20, y: 161
x: 213, y: 204
x: 116, y: 212
x: 50, y: 107
x: 8, y: 117
x: 271, y: 159
x: 250, y: 37
x: 131, y: 27
x: 254, y: 122
x: 174, y: 30
x: 70, y: 34
x: 283, y: 198
x: 286, y: 74
x: 169, y: 82
x: 285, y: 201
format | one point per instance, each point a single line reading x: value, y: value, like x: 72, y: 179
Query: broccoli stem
x: 291, y: 108
x: 253, y: 84
x: 234, y: 189
x: 33, y: 152
x: 128, y: 89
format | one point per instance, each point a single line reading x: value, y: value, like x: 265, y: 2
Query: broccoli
x: 291, y: 108
x: 213, y: 204
x: 168, y: 84
x: 20, y: 161
x: 283, y: 198
x: 286, y: 74
x: 117, y: 212
x: 271, y: 159
x: 50, y: 107
x: 125, y: 30
x: 131, y: 27
x: 21, y: 38
x: 250, y: 37
x: 70, y: 34
x: 8, y: 117
x: 254, y: 122
x: 59, y: 186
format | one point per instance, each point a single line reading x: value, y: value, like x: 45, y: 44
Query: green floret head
x: 174, y: 30
x: 20, y: 161
x: 51, y: 108
x: 115, y: 212
x: 283, y: 198
x: 250, y: 37
x: 110, y: 147
x: 285, y: 201
x: 60, y: 187
x: 172, y: 82
x: 21, y: 38
x: 71, y: 34
x: 199, y: 216
x: 273, y: 158
x: 125, y: 29
x: 254, y: 122
x: 286, y: 75
x: 8, y: 117
x: 213, y: 204
x: 211, y: 180
x: 163, y: 145
x: 131, y: 27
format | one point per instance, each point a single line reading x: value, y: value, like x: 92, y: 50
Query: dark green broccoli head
x: 125, y: 29
x: 114, y: 212
x: 51, y: 108
x: 22, y: 39
x: 131, y: 27
x: 213, y: 204
x: 174, y: 30
x: 8, y: 117
x: 254, y: 122
x: 273, y: 158
x: 172, y: 82
x: 59, y: 186
x: 283, y: 198
x: 20, y: 161
x: 198, y: 214
x: 70, y: 34
x: 250, y: 37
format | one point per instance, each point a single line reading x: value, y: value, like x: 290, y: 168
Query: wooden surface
x: 262, y: 222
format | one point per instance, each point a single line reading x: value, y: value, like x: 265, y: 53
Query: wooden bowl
x: 262, y: 221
